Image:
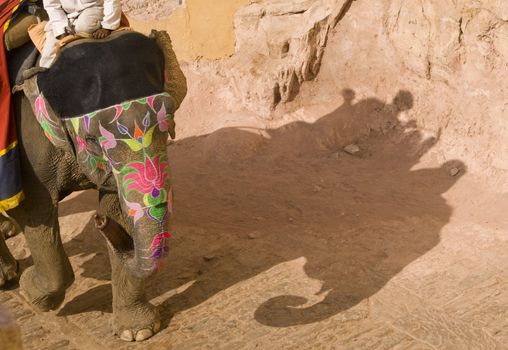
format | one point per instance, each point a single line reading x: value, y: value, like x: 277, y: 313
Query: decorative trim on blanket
x: 11, y: 146
x: 11, y: 203
x: 10, y: 182
x: 16, y: 7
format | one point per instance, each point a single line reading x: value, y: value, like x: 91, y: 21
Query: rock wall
x: 149, y: 10
x: 295, y: 60
x: 288, y: 39
x: 198, y: 28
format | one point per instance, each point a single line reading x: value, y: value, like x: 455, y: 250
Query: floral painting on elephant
x: 128, y: 149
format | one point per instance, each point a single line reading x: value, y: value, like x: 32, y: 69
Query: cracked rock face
x: 153, y: 9
x: 435, y: 38
x: 281, y: 43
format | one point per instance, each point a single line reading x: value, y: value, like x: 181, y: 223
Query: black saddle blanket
x: 94, y: 74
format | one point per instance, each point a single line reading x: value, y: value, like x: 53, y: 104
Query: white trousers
x: 88, y: 21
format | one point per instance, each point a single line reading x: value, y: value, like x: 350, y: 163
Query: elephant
x: 98, y: 118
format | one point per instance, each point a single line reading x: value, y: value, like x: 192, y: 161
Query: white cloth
x: 83, y: 15
x: 61, y: 11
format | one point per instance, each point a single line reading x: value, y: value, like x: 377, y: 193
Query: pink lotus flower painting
x: 148, y: 176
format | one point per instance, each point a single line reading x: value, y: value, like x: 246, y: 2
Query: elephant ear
x: 175, y: 82
x: 51, y: 125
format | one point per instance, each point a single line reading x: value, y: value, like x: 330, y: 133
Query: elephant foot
x: 9, y: 267
x: 136, y: 323
x: 8, y: 271
x: 40, y: 299
x: 8, y: 229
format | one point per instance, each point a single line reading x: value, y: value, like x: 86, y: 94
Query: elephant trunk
x: 150, y: 248
x: 146, y: 198
x: 141, y: 253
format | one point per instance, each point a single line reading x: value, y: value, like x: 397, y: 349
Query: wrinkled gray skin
x: 50, y: 174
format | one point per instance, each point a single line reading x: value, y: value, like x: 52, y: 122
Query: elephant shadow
x: 247, y: 202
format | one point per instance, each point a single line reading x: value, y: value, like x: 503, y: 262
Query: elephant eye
x: 95, y: 147
x: 91, y: 140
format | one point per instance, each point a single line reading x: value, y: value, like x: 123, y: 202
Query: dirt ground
x: 284, y: 241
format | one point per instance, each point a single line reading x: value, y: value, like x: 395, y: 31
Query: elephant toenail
x: 100, y: 221
x: 157, y: 326
x: 127, y: 335
x: 24, y: 295
x: 143, y: 334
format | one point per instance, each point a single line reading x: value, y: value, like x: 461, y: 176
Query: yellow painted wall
x: 200, y: 28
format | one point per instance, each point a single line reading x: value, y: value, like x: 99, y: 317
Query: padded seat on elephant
x: 94, y: 74
x: 17, y: 33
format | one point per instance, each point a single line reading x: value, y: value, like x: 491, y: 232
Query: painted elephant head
x: 120, y: 141
x: 129, y: 141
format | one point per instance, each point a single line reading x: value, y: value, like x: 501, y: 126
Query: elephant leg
x: 44, y: 283
x: 8, y: 265
x: 134, y: 318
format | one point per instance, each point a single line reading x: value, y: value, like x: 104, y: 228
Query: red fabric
x: 7, y: 128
